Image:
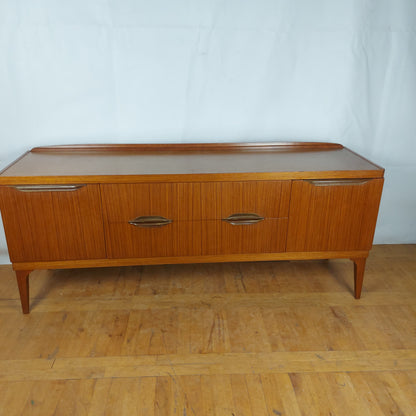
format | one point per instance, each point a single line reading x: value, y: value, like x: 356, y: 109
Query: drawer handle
x: 47, y: 188
x: 243, y: 219
x: 150, y: 221
x: 337, y: 182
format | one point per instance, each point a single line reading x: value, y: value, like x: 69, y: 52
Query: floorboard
x: 236, y: 339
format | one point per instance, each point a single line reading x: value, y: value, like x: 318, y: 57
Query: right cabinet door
x: 333, y: 215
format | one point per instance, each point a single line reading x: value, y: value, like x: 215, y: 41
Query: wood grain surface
x: 208, y: 258
x: 82, y: 224
x: 269, y: 199
x: 197, y: 211
x: 145, y: 163
x: 275, y: 338
x: 47, y: 226
x: 341, y: 216
x: 280, y: 146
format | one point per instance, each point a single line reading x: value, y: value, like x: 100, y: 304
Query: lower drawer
x: 195, y: 238
x: 268, y: 236
x: 179, y: 238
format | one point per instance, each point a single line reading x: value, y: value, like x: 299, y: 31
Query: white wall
x: 217, y: 70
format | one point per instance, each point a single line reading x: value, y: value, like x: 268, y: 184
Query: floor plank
x: 272, y: 338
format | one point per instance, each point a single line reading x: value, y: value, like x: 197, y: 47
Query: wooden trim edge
x: 188, y: 147
x: 190, y: 177
x: 74, y: 264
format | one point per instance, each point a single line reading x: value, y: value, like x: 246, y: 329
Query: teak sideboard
x: 117, y: 205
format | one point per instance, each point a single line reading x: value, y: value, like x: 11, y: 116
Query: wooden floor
x: 275, y: 338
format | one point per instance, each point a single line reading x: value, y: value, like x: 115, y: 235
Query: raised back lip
x: 189, y: 147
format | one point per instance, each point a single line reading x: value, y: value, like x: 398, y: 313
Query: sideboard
x: 82, y: 206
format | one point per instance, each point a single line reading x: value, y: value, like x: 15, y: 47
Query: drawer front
x: 53, y: 222
x: 266, y: 236
x: 268, y: 199
x: 152, y: 220
x: 178, y: 238
x: 333, y: 215
x: 245, y: 217
x: 175, y: 201
x: 191, y: 218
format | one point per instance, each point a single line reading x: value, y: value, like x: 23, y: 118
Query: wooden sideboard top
x: 187, y: 162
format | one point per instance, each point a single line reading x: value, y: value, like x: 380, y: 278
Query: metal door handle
x: 150, y: 221
x: 47, y: 188
x: 337, y: 182
x: 243, y: 219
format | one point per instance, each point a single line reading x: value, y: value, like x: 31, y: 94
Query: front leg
x: 23, y: 283
x: 359, y: 267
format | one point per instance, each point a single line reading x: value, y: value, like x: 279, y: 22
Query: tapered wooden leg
x: 359, y: 267
x: 23, y: 283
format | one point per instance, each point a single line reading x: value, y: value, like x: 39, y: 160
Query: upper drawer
x: 175, y: 201
x: 196, y: 201
x: 269, y: 199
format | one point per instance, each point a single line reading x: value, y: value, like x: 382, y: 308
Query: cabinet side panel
x: 334, y: 217
x: 53, y: 225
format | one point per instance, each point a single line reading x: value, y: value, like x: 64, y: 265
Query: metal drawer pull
x: 337, y: 182
x: 150, y: 221
x: 47, y: 188
x: 243, y: 219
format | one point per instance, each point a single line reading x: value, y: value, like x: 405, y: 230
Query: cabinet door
x: 152, y: 220
x: 53, y: 222
x: 333, y: 215
x: 244, y: 217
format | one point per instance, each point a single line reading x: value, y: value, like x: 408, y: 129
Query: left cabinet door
x: 53, y: 222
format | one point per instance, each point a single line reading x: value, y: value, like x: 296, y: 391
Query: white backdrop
x: 85, y: 71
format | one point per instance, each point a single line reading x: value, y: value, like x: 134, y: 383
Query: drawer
x: 266, y: 236
x: 269, y: 199
x: 244, y: 217
x: 175, y: 201
x: 193, y: 218
x: 178, y: 238
x: 196, y: 201
x: 173, y: 210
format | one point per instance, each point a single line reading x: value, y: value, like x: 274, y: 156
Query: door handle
x: 47, y: 188
x: 150, y: 221
x: 337, y: 182
x: 243, y: 219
